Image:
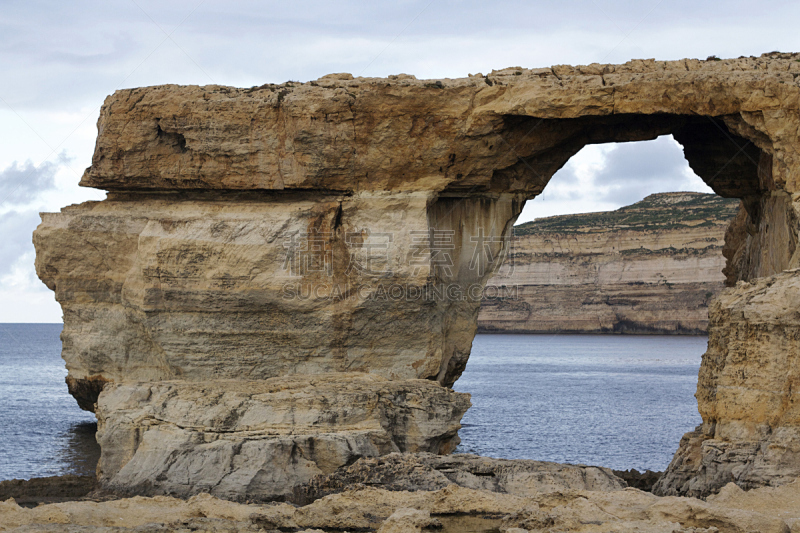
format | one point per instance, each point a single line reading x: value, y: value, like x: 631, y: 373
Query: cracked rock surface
x: 257, y: 440
x: 453, y: 509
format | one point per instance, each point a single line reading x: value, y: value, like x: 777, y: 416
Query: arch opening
x: 731, y: 165
x: 549, y: 369
x: 726, y: 154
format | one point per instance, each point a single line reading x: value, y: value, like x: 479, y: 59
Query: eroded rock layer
x: 651, y: 267
x: 257, y: 440
x: 428, y: 472
x: 746, y: 393
x: 349, y: 225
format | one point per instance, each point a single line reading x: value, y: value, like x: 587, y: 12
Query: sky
x: 61, y: 59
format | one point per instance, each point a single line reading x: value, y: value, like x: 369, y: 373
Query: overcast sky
x: 61, y: 59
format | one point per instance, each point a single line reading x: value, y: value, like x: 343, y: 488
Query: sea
x: 620, y: 401
x: 43, y: 432
x: 609, y: 400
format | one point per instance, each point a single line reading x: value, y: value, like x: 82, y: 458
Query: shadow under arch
x: 732, y: 165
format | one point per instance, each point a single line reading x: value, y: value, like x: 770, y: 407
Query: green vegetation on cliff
x: 660, y: 211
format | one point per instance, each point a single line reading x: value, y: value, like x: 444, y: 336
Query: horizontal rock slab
x: 400, y: 133
x: 257, y: 440
x: 426, y: 471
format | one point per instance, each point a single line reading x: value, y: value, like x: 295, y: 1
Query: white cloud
x: 23, y: 298
x: 57, y: 55
x: 23, y: 183
x: 17, y: 228
x: 20, y: 305
x: 25, y: 190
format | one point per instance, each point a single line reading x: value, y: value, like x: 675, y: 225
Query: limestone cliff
x: 651, y: 267
x: 347, y: 225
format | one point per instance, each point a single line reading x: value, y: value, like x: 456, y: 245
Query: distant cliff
x: 650, y: 267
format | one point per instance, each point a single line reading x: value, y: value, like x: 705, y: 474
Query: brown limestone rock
x: 47, y: 489
x: 349, y: 225
x: 405, y: 520
x: 402, y: 133
x: 257, y: 440
x: 428, y: 472
x: 745, y: 393
x: 167, y: 286
x: 452, y: 509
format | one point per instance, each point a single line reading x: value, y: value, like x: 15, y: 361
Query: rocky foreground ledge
x: 452, y: 509
x: 287, y: 278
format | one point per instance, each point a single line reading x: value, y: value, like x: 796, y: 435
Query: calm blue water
x: 609, y: 400
x: 43, y: 432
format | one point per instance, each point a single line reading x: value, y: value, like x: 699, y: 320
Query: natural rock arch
x: 324, y: 239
